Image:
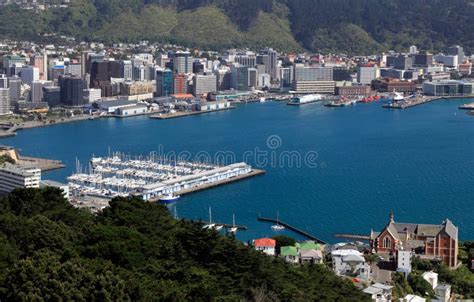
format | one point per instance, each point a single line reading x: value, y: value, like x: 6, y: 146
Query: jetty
x: 353, y: 236
x: 164, y: 116
x: 292, y: 228
x: 43, y: 164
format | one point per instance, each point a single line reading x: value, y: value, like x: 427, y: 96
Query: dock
x: 164, y: 116
x: 410, y: 103
x: 353, y: 236
x: 41, y: 163
x: 253, y: 173
x: 292, y: 228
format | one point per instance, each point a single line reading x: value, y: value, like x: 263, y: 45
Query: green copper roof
x: 310, y: 245
x: 288, y: 251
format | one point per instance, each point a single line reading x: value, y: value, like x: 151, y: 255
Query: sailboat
x: 278, y: 226
x: 212, y: 225
x: 233, y: 229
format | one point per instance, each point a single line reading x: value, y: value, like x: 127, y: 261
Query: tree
x: 283, y: 240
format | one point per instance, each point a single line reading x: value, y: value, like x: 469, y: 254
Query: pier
x: 41, y: 163
x: 164, y: 116
x: 292, y: 228
x: 253, y: 173
x: 353, y: 236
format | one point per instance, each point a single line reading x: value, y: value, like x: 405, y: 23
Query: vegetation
x: 461, y: 279
x: 355, y: 27
x: 136, y: 251
x: 5, y: 158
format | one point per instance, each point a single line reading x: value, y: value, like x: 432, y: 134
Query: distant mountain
x: 357, y: 27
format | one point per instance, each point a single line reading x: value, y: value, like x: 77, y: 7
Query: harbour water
x: 365, y: 162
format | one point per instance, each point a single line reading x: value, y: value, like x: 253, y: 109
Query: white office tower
x: 4, y: 101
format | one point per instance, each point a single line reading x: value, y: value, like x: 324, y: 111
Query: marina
x: 151, y: 178
x: 383, y: 152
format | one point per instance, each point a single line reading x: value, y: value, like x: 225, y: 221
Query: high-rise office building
x: 182, y: 62
x: 247, y: 58
x: 253, y: 77
x: 52, y: 96
x: 126, y: 69
x: 4, y: 101
x: 180, y: 84
x: 270, y: 60
x: 239, y: 77
x: 37, y: 60
x: 29, y: 74
x: 3, y: 81
x: 10, y: 60
x: 72, y: 91
x: 36, y: 91
x: 311, y: 73
x: 365, y: 74
x: 204, y: 83
x: 14, y: 84
x: 164, y: 82
x: 223, y: 79
x: 286, y: 78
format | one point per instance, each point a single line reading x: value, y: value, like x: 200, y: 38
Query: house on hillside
x: 350, y: 263
x: 265, y: 245
x: 290, y: 254
x: 379, y: 292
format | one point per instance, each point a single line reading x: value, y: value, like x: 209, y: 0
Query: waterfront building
x: 4, y: 101
x: 264, y: 80
x: 353, y: 90
x: 311, y: 73
x: 180, y: 84
x: 223, y: 79
x: 391, y: 85
x: 253, y: 78
x: 92, y: 94
x: 323, y: 87
x: 239, y: 77
x: 286, y: 78
x: 428, y: 241
x: 204, y: 83
x: 29, y: 74
x: 448, y: 88
x: 72, y: 91
x: 182, y: 62
x: 15, y: 176
x: 366, y: 74
x: 216, y: 105
x: 52, y: 96
x: 265, y: 245
x: 164, y: 82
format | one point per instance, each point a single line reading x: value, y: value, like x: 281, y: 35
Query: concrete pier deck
x: 292, y: 228
x: 165, y: 116
x: 254, y: 172
x: 41, y: 163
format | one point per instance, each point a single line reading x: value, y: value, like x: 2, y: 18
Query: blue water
x: 417, y: 162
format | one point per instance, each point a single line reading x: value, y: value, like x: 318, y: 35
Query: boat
x: 233, y: 229
x: 169, y: 198
x: 306, y: 99
x: 262, y: 100
x: 212, y: 225
x: 278, y: 226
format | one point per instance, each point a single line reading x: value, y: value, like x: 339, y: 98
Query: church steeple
x: 391, y: 220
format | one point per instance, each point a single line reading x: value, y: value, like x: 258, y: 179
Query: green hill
x: 356, y: 27
x: 136, y: 251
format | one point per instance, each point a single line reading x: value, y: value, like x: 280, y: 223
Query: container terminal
x: 150, y: 178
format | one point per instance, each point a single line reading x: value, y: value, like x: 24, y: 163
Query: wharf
x: 41, y: 163
x: 254, y: 172
x: 292, y: 228
x: 411, y: 103
x: 164, y: 116
x: 353, y: 236
x: 290, y: 103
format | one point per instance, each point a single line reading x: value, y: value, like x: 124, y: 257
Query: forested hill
x: 357, y: 27
x: 50, y: 251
